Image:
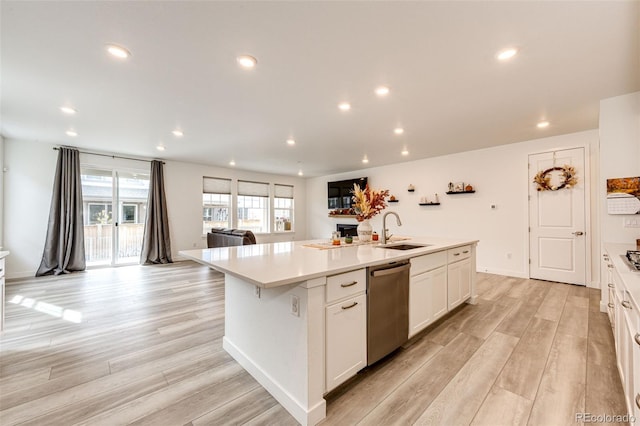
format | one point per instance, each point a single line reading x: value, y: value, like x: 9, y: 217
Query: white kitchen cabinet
x: 608, y: 288
x: 427, y: 298
x: 626, y: 332
x: 458, y: 282
x: 346, y: 339
x: 346, y: 326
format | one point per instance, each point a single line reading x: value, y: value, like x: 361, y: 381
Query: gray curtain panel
x: 156, y: 245
x: 64, y: 246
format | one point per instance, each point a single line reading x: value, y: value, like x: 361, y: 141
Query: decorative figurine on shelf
x: 437, y: 200
x: 450, y: 186
x: 468, y: 188
x: 423, y: 200
x: 411, y: 188
x: 392, y: 198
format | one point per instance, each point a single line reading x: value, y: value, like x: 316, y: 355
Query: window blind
x: 212, y: 185
x: 256, y: 189
x: 283, y: 191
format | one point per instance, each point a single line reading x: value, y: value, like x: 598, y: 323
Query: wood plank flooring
x: 143, y: 345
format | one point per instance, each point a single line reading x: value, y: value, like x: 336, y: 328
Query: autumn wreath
x: 567, y: 178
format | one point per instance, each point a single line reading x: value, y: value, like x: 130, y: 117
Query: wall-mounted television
x: 339, y: 192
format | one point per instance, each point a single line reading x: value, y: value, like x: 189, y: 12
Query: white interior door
x: 557, y: 220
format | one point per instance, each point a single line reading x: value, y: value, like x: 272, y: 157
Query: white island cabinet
x: 427, y: 290
x: 346, y: 326
x: 458, y: 275
x: 295, y: 314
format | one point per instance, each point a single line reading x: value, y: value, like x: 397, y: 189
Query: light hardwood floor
x: 142, y: 345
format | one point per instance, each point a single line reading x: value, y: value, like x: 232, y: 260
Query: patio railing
x: 98, y: 242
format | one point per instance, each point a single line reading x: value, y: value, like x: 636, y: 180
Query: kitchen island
x: 295, y: 314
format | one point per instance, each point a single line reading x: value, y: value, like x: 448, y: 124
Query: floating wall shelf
x: 459, y: 192
x: 392, y: 201
x: 429, y: 204
x: 343, y: 215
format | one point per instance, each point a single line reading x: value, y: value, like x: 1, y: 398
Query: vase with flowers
x: 367, y: 203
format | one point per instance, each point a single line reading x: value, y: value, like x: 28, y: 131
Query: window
x: 100, y: 214
x: 283, y: 207
x: 253, y: 206
x: 129, y: 213
x: 216, y: 203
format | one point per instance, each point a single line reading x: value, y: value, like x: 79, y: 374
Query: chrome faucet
x: 384, y: 225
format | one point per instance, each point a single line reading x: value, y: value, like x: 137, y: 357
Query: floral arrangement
x: 368, y: 202
x: 567, y: 178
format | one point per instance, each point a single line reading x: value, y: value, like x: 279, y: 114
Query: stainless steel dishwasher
x: 387, y: 309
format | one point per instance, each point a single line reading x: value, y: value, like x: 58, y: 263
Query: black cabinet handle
x: 350, y: 306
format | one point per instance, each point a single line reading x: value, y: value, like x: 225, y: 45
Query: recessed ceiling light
x: 382, y: 90
x: 300, y: 173
x: 542, y: 124
x: 365, y: 160
x: 68, y: 110
x: 178, y: 133
x: 405, y: 152
x: 232, y: 163
x: 118, y: 51
x: 398, y: 130
x: 160, y: 147
x: 247, y: 61
x: 72, y: 133
x: 506, y: 54
x: 344, y: 106
x: 291, y: 142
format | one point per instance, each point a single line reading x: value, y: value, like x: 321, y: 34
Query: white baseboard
x: 306, y: 416
x: 504, y: 272
x: 603, y: 306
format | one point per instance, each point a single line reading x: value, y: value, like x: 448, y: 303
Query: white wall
x: 27, y: 194
x: 499, y: 175
x: 183, y: 186
x: 619, y: 157
x: 29, y: 182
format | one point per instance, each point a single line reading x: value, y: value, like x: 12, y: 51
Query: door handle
x: 578, y: 233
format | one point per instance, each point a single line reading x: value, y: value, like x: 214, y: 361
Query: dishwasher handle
x: 391, y: 270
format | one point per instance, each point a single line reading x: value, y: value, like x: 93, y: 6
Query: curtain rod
x: 107, y: 155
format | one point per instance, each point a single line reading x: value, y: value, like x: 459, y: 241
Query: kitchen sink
x: 403, y: 246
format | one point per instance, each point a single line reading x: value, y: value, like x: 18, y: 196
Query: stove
x: 633, y: 259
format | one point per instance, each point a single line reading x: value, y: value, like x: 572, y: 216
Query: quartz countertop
x: 630, y: 277
x: 277, y: 264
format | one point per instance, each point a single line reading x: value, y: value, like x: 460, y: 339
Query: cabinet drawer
x: 346, y: 340
x: 428, y: 262
x: 458, y: 253
x: 345, y: 285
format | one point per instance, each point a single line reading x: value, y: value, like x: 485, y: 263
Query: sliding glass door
x: 115, y: 207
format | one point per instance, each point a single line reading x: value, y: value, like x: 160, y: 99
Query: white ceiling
x: 448, y: 91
